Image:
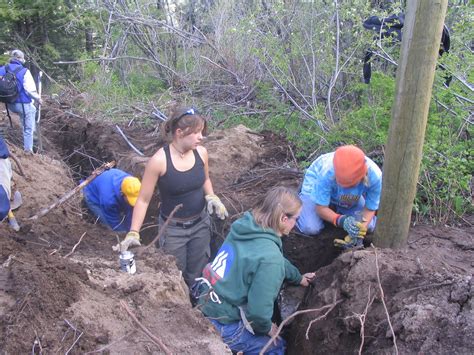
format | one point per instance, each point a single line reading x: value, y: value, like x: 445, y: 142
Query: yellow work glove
x: 13, y: 222
x: 351, y: 226
x: 132, y: 239
x: 349, y: 242
x: 214, y: 204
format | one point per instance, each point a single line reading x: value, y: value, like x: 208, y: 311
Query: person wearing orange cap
x: 342, y: 188
x: 111, y: 197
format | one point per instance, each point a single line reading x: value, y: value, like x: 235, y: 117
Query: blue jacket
x: 320, y: 185
x: 105, y: 199
x: 12, y: 66
x: 4, y: 153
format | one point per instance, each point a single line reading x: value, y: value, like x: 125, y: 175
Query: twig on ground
x: 77, y: 339
x: 362, y: 317
x: 430, y: 285
x: 331, y: 307
x: 153, y: 338
x: 382, y: 298
x: 161, y: 231
x: 75, y: 332
x: 291, y: 316
x: 75, y: 246
x: 56, y: 250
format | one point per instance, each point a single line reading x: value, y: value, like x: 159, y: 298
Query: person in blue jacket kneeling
x: 111, y: 197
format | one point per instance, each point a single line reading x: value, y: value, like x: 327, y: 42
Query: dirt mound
x: 61, y: 288
x: 427, y: 290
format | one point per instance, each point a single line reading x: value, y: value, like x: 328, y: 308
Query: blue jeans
x: 310, y: 223
x: 27, y: 121
x: 240, y: 339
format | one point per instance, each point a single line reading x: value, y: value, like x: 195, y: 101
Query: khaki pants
x: 190, y: 246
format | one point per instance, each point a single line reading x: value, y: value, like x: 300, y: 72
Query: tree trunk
x: 415, y: 74
x: 89, y: 40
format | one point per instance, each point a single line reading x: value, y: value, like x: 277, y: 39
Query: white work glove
x: 214, y: 204
x: 132, y: 239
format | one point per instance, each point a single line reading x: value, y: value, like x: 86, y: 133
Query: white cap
x: 18, y: 55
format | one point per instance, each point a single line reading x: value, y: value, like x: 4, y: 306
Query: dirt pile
x: 427, y: 289
x: 54, y: 299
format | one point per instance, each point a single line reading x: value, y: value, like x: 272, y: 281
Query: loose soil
x: 58, y: 296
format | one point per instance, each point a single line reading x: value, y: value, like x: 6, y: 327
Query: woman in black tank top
x: 182, y: 172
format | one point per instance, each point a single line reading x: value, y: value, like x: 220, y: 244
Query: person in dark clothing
x: 238, y: 289
x: 181, y: 171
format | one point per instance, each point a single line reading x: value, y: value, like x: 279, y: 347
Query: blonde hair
x: 185, y: 118
x: 278, y: 201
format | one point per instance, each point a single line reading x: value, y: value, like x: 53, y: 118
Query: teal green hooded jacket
x: 248, y: 272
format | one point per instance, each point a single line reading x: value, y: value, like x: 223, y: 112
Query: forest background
x: 293, y: 67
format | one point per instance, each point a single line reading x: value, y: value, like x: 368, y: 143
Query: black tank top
x: 184, y: 187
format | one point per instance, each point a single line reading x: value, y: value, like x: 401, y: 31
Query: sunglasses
x: 191, y: 111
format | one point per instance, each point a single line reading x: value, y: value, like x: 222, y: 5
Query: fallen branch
x: 382, y: 298
x: 153, y: 338
x: 128, y: 142
x: 71, y: 193
x: 75, y: 246
x: 293, y: 315
x: 140, y: 251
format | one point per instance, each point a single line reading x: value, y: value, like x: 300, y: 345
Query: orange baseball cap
x: 349, y: 165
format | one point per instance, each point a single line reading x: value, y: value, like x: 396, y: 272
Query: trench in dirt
x: 84, y: 146
x: 425, y: 285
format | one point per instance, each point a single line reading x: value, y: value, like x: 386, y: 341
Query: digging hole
x: 84, y: 146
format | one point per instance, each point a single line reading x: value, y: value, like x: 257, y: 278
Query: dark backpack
x: 8, y: 85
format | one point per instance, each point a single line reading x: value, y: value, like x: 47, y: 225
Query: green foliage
x: 366, y: 123
x: 267, y: 61
x: 46, y: 31
x: 107, y: 92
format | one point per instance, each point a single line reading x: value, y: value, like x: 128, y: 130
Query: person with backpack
x: 238, y: 289
x: 17, y: 91
x: 111, y: 197
x: 342, y: 188
x: 181, y: 171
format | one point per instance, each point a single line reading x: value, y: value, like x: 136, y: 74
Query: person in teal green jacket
x: 238, y: 289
